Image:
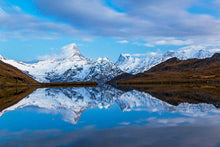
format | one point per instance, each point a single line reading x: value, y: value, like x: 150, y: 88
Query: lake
x: 147, y: 115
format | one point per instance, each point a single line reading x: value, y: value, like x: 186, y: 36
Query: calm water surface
x: 105, y: 116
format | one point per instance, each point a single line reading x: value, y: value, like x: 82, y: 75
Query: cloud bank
x: 143, y: 18
x: 16, y: 24
x: 131, y: 19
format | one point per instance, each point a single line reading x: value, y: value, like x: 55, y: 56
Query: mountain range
x: 138, y: 63
x: 77, y: 68
x: 174, y: 70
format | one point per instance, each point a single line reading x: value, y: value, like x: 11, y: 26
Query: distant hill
x: 11, y: 76
x: 174, y: 70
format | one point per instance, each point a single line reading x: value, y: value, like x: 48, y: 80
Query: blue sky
x: 30, y: 29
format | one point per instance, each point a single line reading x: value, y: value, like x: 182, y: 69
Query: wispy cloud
x: 173, y: 42
x: 148, y: 45
x: 87, y: 39
x: 16, y: 24
x: 165, y: 19
x: 122, y: 41
x: 101, y: 20
x: 66, y: 52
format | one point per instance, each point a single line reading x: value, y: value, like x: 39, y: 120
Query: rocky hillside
x: 11, y: 76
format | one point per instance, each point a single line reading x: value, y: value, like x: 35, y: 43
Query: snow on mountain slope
x: 71, y: 69
x: 75, y: 67
x: 135, y: 63
x: 103, y: 69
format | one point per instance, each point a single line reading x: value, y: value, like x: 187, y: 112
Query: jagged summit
x: 134, y: 64
x: 103, y: 59
x: 71, y: 50
x: 71, y: 66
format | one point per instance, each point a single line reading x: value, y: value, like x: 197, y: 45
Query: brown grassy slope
x: 175, y: 70
x: 11, y: 76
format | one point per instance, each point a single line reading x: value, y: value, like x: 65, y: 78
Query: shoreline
x: 162, y: 82
x: 45, y: 85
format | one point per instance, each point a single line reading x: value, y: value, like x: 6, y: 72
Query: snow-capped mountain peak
x: 139, y: 63
x: 71, y: 51
x: 103, y: 59
x: 122, y: 58
x: 72, y: 66
x: 136, y: 63
x: 199, y: 52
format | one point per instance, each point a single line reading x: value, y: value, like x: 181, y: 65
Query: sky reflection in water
x: 106, y: 116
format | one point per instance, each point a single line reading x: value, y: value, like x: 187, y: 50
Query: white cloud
x: 17, y: 24
x: 215, y: 50
x: 174, y: 42
x: 87, y: 39
x: 124, y: 123
x: 165, y: 18
x: 158, y: 52
x: 66, y: 52
x: 152, y: 42
x: 17, y: 9
x: 137, y: 43
x: 122, y: 41
x: 47, y: 57
x: 94, y: 18
x: 148, y: 45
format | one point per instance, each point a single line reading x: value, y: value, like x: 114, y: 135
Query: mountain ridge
x: 73, y: 68
x: 134, y: 64
x: 174, y: 70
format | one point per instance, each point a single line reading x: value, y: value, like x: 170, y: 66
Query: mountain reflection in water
x: 72, y: 102
x: 94, y: 116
